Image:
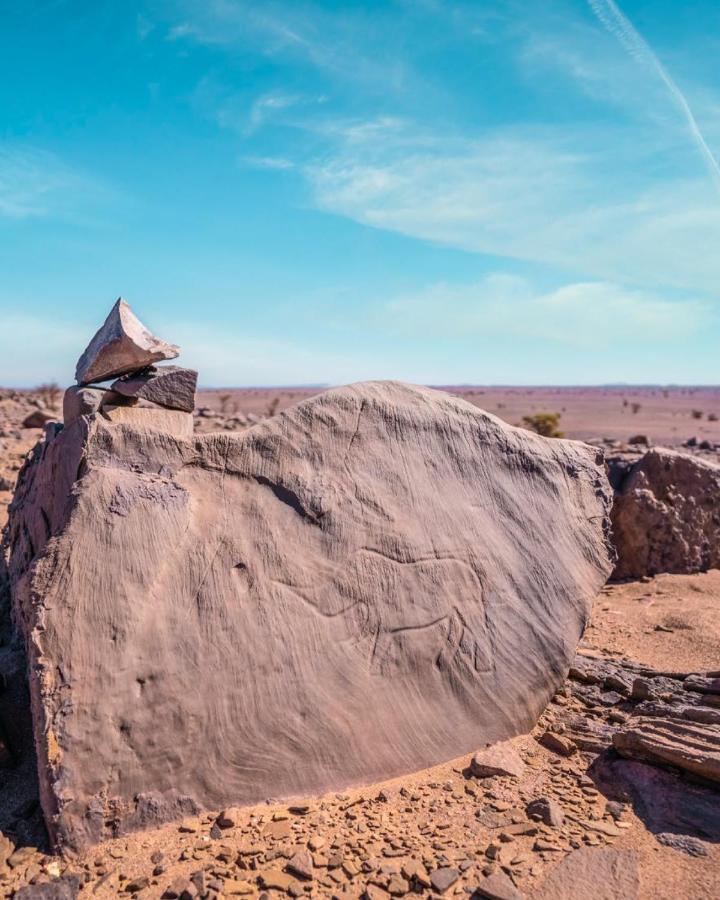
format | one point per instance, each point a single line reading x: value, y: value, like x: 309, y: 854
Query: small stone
x: 543, y: 845
x: 615, y: 809
x: 176, y: 888
x: 558, y: 743
x: 608, y: 828
x: 20, y: 856
x: 500, y: 759
x: 276, y: 880
x: 228, y: 818
x: 444, y: 878
x: 316, y: 842
x: 547, y: 811
x: 38, y: 418
x: 350, y: 868
x: 137, y: 884
x: 122, y: 345
x: 498, y: 886
x: 301, y: 865
x: 65, y: 888
x: 235, y: 888
x: 373, y: 892
x: 684, y: 843
x: 643, y: 689
x: 397, y: 886
x: 415, y: 871
x: 82, y: 401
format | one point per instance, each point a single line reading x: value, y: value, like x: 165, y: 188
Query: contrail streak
x: 622, y: 28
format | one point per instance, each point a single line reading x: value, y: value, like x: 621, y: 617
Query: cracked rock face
x: 378, y: 579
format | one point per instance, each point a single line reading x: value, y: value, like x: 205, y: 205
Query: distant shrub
x: 272, y: 407
x: 226, y: 404
x: 696, y: 413
x: 545, y: 424
x: 49, y: 394
x: 712, y: 417
x: 635, y: 408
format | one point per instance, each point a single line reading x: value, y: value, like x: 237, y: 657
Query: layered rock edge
x: 375, y: 580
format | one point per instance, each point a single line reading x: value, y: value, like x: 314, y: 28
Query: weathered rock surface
x: 603, y: 874
x: 375, y: 580
x: 666, y: 515
x: 170, y: 386
x: 122, y: 345
x: 691, y: 746
x: 169, y: 421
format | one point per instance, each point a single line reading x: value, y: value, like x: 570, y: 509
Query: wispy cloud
x: 584, y: 315
x: 347, y: 43
x: 618, y: 24
x: 35, y: 183
x: 267, y: 106
x: 276, y: 163
x: 541, y: 195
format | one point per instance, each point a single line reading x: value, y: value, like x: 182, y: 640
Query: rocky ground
x: 594, y: 823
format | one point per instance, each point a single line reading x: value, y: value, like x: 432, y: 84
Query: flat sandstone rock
x: 691, y: 746
x: 122, y: 345
x: 170, y: 386
x: 377, y: 579
x: 594, y: 873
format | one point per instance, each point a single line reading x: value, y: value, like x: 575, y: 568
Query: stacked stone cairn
x: 143, y: 394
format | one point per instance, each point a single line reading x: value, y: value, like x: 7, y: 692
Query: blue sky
x: 484, y: 192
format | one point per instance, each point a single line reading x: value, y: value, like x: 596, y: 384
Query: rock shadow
x: 675, y: 808
x: 20, y: 813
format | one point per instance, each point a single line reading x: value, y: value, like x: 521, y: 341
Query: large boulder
x: 373, y: 581
x: 666, y: 515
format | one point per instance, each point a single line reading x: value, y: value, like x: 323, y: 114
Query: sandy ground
x: 378, y: 835
x: 671, y: 622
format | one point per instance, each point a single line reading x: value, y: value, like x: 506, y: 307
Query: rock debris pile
x: 372, y: 581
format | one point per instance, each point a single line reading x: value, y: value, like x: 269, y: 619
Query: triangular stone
x: 121, y: 346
